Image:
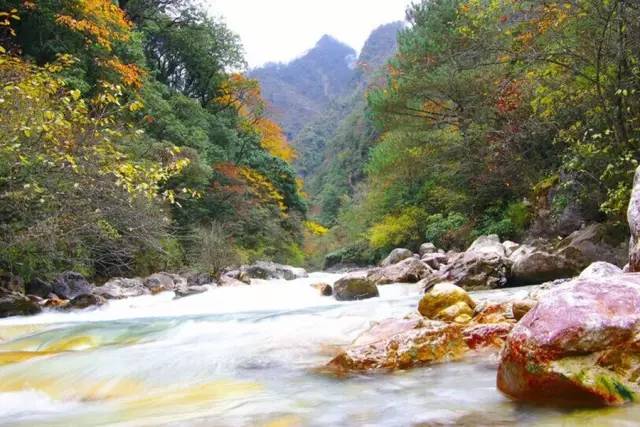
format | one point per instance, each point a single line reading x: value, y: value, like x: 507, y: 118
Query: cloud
x: 280, y: 30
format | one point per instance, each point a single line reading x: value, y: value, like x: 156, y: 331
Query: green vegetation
x: 128, y: 143
x: 500, y: 117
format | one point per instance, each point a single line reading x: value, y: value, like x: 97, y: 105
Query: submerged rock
x: 85, y: 301
x: 396, y: 256
x: 354, y: 286
x: 578, y: 345
x: 187, y: 291
x: 409, y: 270
x: 401, y: 344
x: 270, y: 270
x: 325, y: 289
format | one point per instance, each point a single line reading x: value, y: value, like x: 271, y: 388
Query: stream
x: 244, y: 356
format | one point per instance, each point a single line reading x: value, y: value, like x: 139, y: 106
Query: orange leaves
x: 130, y: 74
x: 99, y: 21
x: 273, y: 140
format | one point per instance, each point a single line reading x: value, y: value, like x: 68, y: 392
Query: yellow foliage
x: 262, y: 188
x: 396, y: 229
x: 316, y: 228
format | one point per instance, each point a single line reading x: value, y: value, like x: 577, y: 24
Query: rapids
x: 243, y: 356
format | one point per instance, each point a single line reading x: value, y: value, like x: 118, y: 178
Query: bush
x: 447, y: 232
x: 214, y: 249
x: 402, y: 229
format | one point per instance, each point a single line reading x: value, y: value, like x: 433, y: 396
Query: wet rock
x: 401, y: 344
x: 39, y: 288
x: 54, y: 302
x: 493, y: 335
x: 600, y: 269
x: 16, y: 304
x: 226, y: 280
x: 119, y: 288
x: 446, y: 301
x: 195, y: 278
x: 187, y: 291
x: 427, y: 248
x: 162, y: 282
x: 70, y: 284
x: 86, y: 301
x: 396, y: 256
x: 324, y: 288
x: 354, y: 286
x: 475, y: 270
x: 270, y: 270
x: 578, y: 345
x: 633, y: 218
x: 488, y: 245
x: 534, y: 266
x: 409, y: 270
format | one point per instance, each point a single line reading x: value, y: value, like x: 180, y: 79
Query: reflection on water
x: 242, y: 356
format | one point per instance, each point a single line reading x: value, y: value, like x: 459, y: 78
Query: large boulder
x: 324, y: 289
x: 578, y: 345
x: 409, y: 270
x: 396, y: 256
x: 70, y: 284
x: 16, y: 304
x: 270, y: 270
x: 446, y: 301
x: 187, y: 291
x: 401, y: 344
x: 488, y: 245
x: 633, y: 218
x: 596, y: 242
x: 354, y: 286
x: 435, y: 260
x: 86, y: 301
x: 474, y: 270
x: 534, y: 266
x: 119, y: 288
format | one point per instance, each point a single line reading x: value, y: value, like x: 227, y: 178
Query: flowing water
x: 243, y: 356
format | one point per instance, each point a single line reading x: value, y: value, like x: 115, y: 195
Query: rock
x: 488, y: 245
x: 162, y: 282
x: 324, y: 288
x: 482, y: 335
x: 521, y: 307
x: 633, y: 218
x: 70, y: 284
x: 85, y: 301
x: 446, y: 301
x: 119, y: 288
x: 401, y: 344
x: 230, y: 281
x: 578, y: 345
x: 16, y: 304
x: 475, y: 270
x: 12, y: 283
x: 396, y: 256
x: 187, y: 291
x: 195, y: 278
x: 270, y: 270
x: 39, y: 288
x: 533, y: 266
x: 510, y: 247
x: 354, y: 286
x: 435, y: 260
x: 427, y: 248
x: 600, y: 269
x: 409, y: 270
x: 595, y: 242
x: 54, y: 302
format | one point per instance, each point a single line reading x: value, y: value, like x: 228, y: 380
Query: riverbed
x: 244, y: 356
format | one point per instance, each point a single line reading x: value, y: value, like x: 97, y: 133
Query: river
x: 243, y: 356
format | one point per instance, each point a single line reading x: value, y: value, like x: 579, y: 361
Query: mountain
x: 299, y: 91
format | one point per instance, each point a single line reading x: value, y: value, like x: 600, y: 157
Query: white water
x: 241, y: 356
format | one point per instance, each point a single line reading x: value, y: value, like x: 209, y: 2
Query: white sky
x: 281, y: 30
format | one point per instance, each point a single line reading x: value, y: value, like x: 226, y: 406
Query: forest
x: 134, y: 139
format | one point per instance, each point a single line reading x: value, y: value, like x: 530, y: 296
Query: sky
x: 281, y: 30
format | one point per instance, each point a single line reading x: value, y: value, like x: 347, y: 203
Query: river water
x: 243, y: 356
